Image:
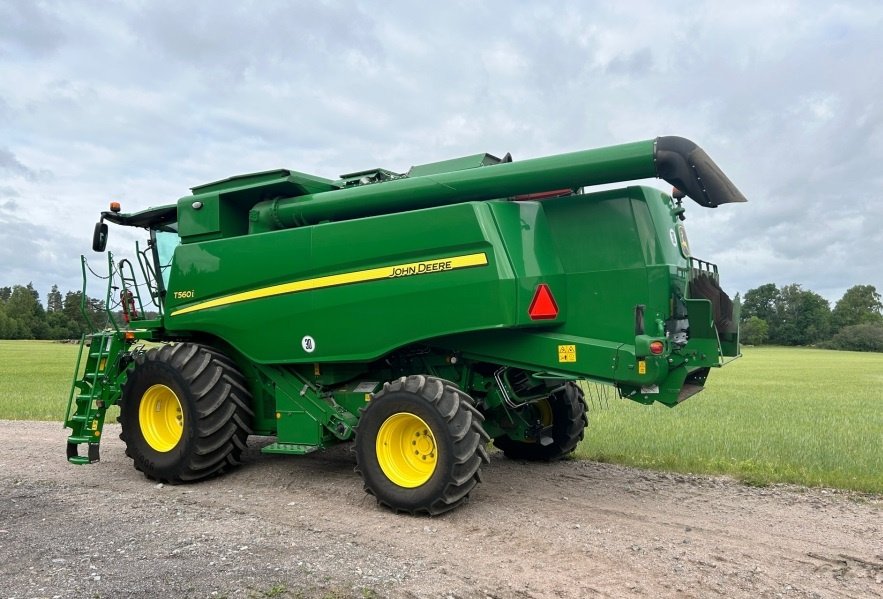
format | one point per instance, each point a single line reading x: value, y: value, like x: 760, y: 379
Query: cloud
x: 10, y: 165
x: 137, y: 102
x: 28, y: 29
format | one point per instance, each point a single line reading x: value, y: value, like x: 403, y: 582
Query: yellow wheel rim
x: 406, y: 450
x: 545, y: 410
x: 161, y: 418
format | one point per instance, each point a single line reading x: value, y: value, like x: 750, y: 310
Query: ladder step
x: 74, y: 440
x: 78, y: 459
x: 80, y: 418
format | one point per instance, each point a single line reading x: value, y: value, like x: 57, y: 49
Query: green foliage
x: 859, y: 305
x: 277, y: 590
x: 794, y: 316
x: 858, y: 337
x: 804, y: 416
x: 761, y: 302
x: 25, y: 313
x: 804, y: 317
x: 755, y: 331
x: 22, y: 316
x: 54, y: 302
x: 97, y: 317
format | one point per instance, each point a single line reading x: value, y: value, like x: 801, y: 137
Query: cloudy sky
x: 138, y: 101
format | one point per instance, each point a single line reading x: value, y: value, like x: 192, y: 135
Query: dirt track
x: 302, y: 527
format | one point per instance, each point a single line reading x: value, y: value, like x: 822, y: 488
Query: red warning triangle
x: 543, y: 306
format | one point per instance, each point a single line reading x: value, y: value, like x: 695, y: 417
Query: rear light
x: 657, y: 347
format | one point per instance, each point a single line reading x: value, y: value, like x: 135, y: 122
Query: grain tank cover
x: 279, y: 181
x: 457, y: 164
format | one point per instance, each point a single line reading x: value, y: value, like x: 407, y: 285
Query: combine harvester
x: 419, y: 315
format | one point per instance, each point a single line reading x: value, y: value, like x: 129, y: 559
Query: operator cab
x: 154, y: 260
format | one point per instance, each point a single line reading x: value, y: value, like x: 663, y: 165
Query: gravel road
x: 302, y: 527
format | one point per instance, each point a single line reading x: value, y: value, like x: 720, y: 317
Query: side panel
x: 614, y: 260
x: 358, y: 288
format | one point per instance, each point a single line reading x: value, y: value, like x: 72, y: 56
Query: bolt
x: 413, y: 442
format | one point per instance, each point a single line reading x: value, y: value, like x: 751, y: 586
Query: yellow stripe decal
x: 359, y: 276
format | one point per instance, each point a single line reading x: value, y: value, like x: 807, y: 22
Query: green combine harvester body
x: 421, y: 314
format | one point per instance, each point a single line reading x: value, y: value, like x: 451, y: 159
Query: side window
x: 166, y: 242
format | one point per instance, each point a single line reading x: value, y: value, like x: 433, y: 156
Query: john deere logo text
x: 421, y: 268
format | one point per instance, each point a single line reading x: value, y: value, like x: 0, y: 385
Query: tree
x: 803, y: 317
x: 761, y: 302
x: 859, y: 305
x: 54, y: 301
x: 5, y: 292
x: 24, y: 308
x: 859, y: 337
x: 754, y: 331
x: 94, y: 309
x: 5, y: 323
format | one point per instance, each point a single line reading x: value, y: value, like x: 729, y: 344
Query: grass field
x: 35, y: 379
x: 811, y: 417
x: 805, y: 416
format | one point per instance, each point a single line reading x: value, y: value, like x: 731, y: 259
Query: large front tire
x: 420, y: 445
x: 565, y: 412
x: 185, y: 413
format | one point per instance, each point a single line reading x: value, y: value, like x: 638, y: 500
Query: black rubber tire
x: 569, y: 421
x: 459, y: 436
x: 215, y: 405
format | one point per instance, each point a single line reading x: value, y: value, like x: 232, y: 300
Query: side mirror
x: 99, y: 237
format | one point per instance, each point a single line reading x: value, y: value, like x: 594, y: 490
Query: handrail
x: 111, y: 271
x: 125, y: 288
x: 70, y: 398
x: 150, y: 278
x: 83, y: 297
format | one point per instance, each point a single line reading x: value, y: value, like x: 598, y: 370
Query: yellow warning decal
x: 642, y: 367
x: 347, y: 278
x: 567, y: 353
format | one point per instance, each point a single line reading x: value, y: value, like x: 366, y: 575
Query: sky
x: 137, y: 101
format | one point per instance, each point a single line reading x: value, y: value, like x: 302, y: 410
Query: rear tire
x: 566, y: 408
x: 420, y: 446
x: 184, y: 413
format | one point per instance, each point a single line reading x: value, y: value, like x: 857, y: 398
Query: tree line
x: 22, y: 315
x: 796, y: 316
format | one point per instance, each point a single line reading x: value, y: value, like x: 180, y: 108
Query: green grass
x: 804, y: 416
x: 35, y: 379
x: 810, y: 417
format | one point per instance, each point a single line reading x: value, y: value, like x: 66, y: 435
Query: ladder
x: 93, y: 393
